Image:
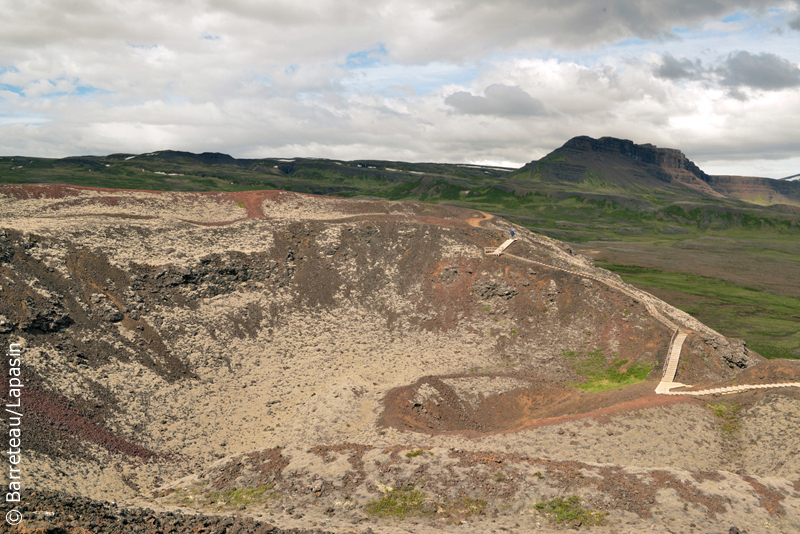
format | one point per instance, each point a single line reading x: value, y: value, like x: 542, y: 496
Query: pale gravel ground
x: 670, y: 512
x: 189, y: 206
x: 772, y: 426
x: 319, y: 379
x: 152, y: 242
x: 308, y: 207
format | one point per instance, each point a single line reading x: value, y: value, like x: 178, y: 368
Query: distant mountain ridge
x: 639, y: 177
x: 612, y: 163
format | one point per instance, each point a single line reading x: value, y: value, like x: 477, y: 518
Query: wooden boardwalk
x: 667, y: 382
x: 733, y: 389
x: 492, y: 251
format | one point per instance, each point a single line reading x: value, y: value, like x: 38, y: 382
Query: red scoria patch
x: 263, y: 467
x: 769, y: 498
x: 69, y: 424
x: 602, y: 414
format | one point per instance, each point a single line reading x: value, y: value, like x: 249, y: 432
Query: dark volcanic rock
x: 40, y: 319
x: 54, y: 513
x: 734, y: 352
x: 6, y: 326
x: 487, y: 289
x: 111, y: 314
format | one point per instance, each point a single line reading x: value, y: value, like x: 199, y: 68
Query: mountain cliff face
x: 763, y: 191
x: 608, y: 164
x: 301, y: 350
x: 666, y: 158
x: 623, y: 164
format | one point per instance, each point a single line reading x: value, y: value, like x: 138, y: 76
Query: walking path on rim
x: 667, y: 382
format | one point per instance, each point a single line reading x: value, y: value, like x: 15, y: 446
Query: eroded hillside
x: 189, y: 343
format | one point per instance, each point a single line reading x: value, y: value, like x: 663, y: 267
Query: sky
x: 458, y: 81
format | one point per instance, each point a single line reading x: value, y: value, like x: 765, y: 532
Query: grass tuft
x: 569, y: 511
x: 234, y: 498
x: 398, y: 503
x: 601, y: 376
x: 728, y: 413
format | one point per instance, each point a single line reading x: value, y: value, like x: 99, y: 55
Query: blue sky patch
x: 423, y: 79
x: 88, y: 90
x: 26, y: 120
x: 736, y: 17
x: 366, y: 58
x: 11, y: 88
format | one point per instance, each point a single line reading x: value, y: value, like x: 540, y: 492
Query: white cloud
x: 358, y: 78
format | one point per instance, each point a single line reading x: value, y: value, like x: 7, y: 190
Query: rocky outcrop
x: 41, y: 317
x: 733, y: 352
x: 487, y: 289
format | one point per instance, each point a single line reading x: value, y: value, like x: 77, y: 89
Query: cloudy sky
x: 500, y: 82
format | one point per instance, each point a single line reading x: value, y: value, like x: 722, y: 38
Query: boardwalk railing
x: 675, y: 344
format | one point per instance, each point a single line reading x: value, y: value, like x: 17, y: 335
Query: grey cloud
x: 760, y: 71
x: 795, y: 22
x: 764, y: 71
x: 679, y: 69
x: 413, y: 31
x: 500, y: 100
x: 571, y: 25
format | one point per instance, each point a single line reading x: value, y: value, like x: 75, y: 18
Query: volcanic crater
x: 290, y: 359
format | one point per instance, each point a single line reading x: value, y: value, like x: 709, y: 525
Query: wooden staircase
x: 492, y: 251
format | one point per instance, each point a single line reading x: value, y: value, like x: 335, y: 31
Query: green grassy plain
x: 769, y: 322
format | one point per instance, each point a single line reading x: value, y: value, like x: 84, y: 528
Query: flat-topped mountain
x: 668, y: 160
x: 763, y: 191
x: 609, y: 163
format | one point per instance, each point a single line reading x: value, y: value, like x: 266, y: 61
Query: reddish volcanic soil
x: 521, y: 409
x: 60, y: 426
